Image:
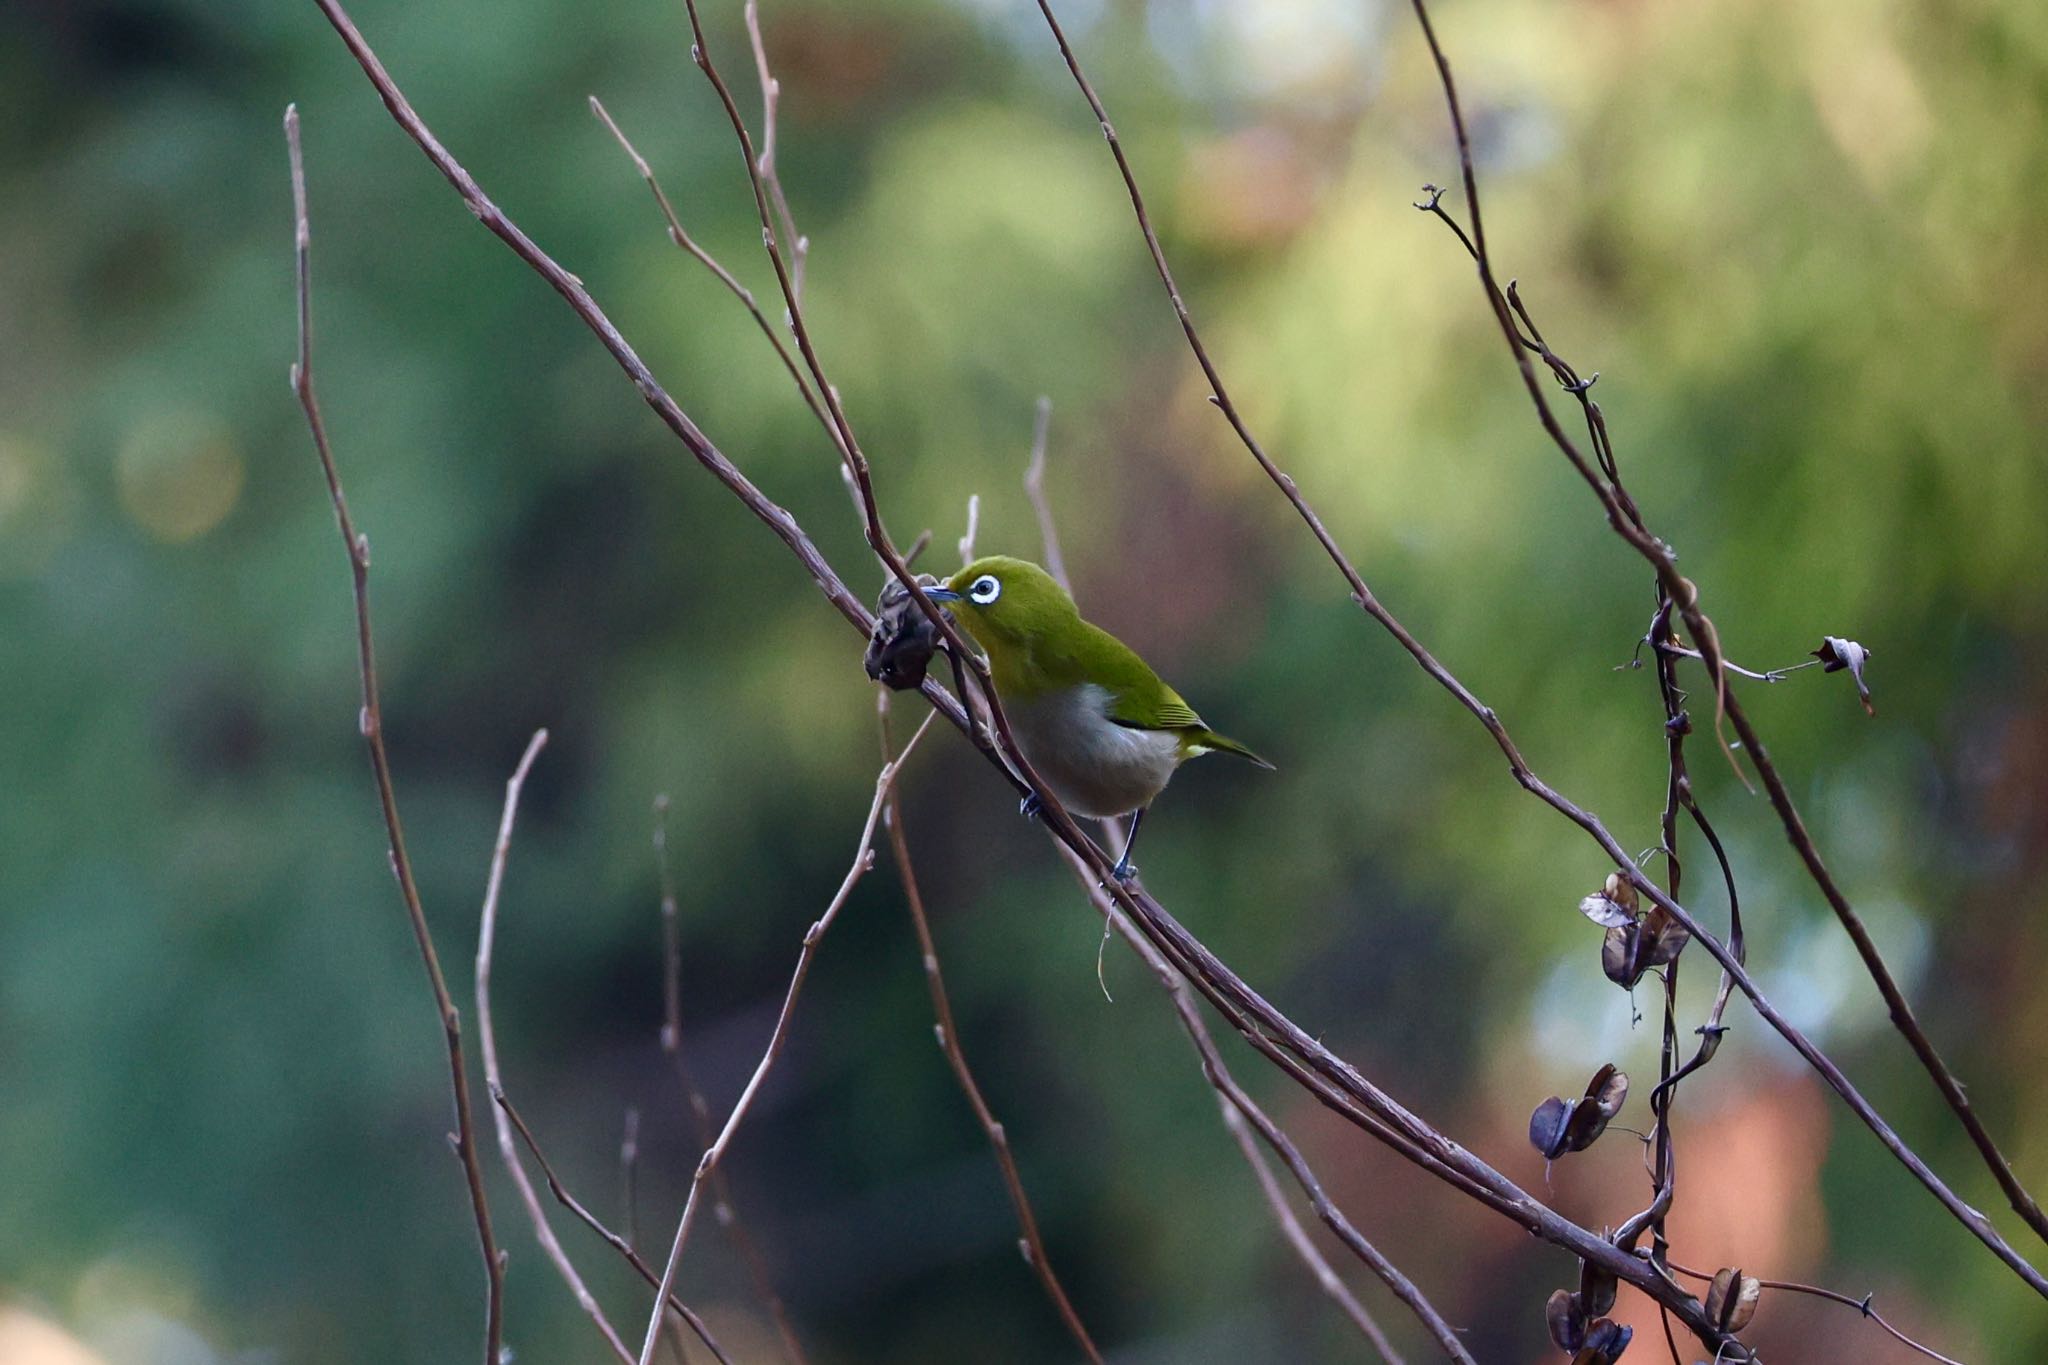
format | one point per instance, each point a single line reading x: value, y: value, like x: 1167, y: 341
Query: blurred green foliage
x: 1804, y: 244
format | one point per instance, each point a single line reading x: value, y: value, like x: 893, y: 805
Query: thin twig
x: 973, y: 531
x: 487, y: 1044
x: 863, y: 859
x: 371, y: 723
x: 1771, y: 676
x: 1030, y: 1242
x: 1236, y: 1100
x: 629, y: 1174
x: 1041, y: 505
x: 1862, y: 1305
x: 596, y: 1225
x: 1297, y: 1237
x: 724, y: 1209
x: 681, y: 237
x: 765, y: 164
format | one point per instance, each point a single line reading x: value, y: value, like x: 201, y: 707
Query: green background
x: 1805, y: 244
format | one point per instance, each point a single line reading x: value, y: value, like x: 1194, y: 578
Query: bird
x: 1102, y: 730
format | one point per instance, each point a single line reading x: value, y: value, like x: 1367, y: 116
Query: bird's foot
x: 1124, y: 871
x: 1030, y: 806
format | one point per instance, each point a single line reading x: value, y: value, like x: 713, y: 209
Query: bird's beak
x: 942, y: 594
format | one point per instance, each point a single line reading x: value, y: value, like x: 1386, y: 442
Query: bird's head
x: 1006, y: 604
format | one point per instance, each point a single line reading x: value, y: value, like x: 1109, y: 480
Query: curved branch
x: 487, y: 1044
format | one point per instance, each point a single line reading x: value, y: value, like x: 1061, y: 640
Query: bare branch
x: 682, y: 238
x: 629, y: 1174
x: 765, y: 164
x: 863, y: 859
x: 1034, y: 489
x: 724, y: 1207
x: 1862, y: 1305
x: 973, y: 530
x: 371, y: 723
x: 1297, y: 1237
x: 487, y: 1042
x: 1031, y: 1243
x: 1236, y: 1100
x: 596, y: 1225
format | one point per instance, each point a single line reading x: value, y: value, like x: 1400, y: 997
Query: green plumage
x: 1103, y: 732
x: 1038, y: 645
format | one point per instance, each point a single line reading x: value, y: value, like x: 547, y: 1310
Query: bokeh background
x: 1805, y: 244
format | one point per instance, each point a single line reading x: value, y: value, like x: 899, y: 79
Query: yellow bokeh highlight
x: 179, y: 474
x: 35, y: 506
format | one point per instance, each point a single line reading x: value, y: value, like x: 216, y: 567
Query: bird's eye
x: 984, y: 589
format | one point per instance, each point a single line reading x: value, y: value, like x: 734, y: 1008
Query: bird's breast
x: 1095, y: 766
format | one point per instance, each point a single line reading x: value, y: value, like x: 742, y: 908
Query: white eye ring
x: 984, y: 590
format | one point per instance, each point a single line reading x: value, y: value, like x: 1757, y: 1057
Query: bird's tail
x: 1208, y: 741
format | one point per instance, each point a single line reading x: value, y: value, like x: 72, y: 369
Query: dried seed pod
x: 1558, y: 1127
x: 1567, y: 1319
x: 1836, y: 654
x: 1732, y: 1299
x: 1634, y: 942
x: 1605, y: 1341
x: 900, y: 650
x: 1597, y: 1284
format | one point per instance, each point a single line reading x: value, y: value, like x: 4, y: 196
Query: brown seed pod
x: 901, y: 647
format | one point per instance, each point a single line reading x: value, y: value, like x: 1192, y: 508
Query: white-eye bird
x: 1102, y: 729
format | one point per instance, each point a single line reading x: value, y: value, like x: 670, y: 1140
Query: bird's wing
x: 1139, y: 699
x: 1163, y: 713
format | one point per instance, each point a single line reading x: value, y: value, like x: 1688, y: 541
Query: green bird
x: 1102, y: 729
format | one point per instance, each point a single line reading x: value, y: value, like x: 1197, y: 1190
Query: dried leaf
x: 1836, y: 654
x: 1732, y: 1299
x: 1567, y: 1319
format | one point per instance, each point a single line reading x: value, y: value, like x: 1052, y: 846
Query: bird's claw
x: 1030, y: 806
x: 1124, y: 871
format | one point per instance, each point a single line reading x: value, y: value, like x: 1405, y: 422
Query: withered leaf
x: 1732, y: 1299
x: 1836, y: 654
